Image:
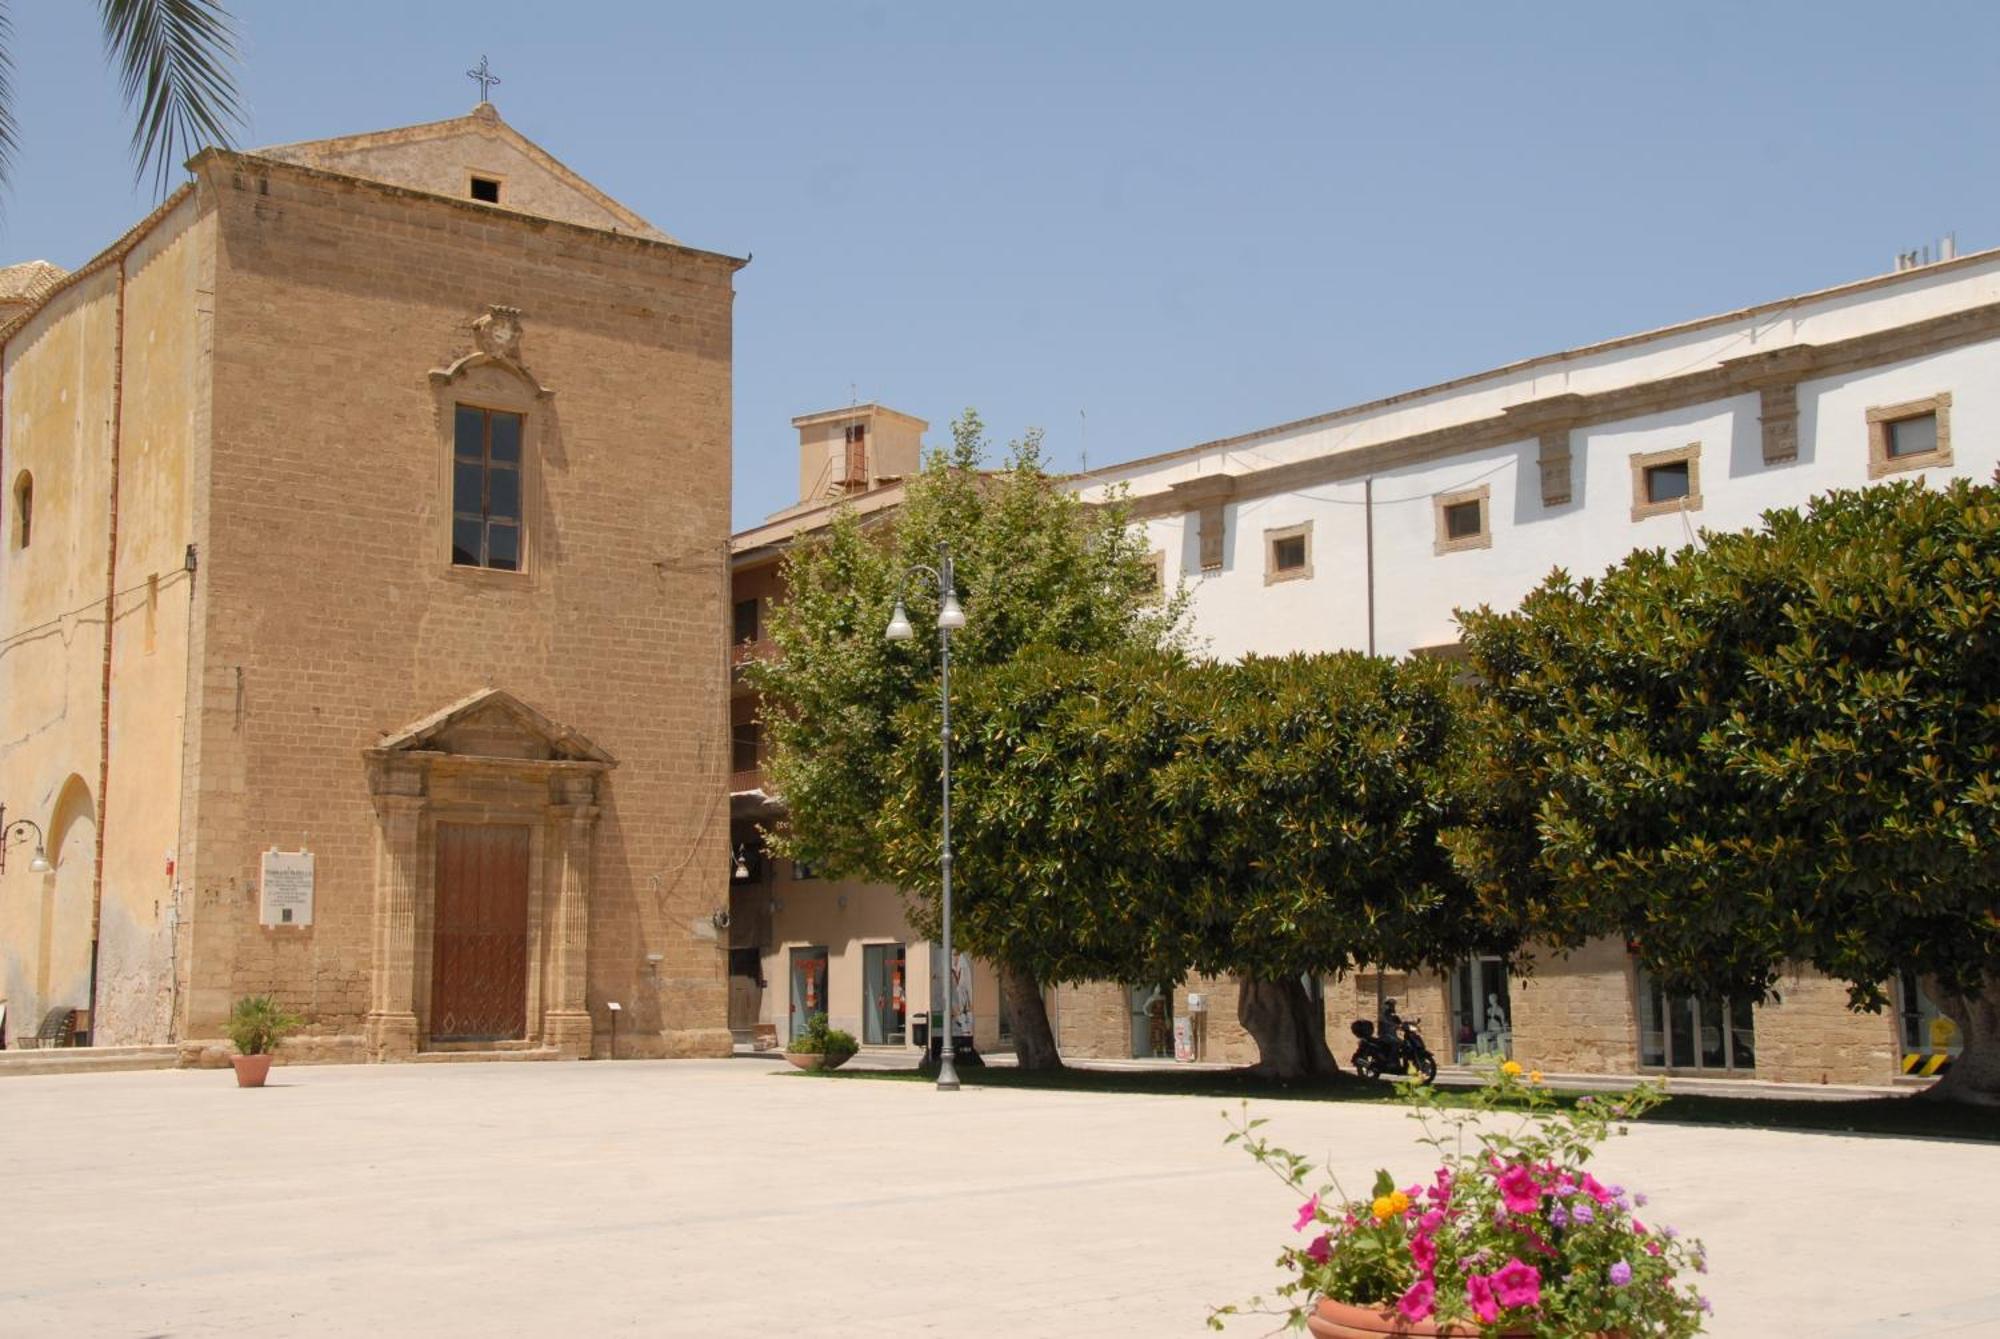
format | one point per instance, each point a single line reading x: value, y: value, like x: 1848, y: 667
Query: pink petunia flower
x: 1423, y: 1252
x: 1597, y: 1190
x: 1307, y: 1212
x: 1321, y: 1249
x: 1479, y: 1296
x: 1517, y: 1284
x: 1519, y: 1190
x: 1419, y: 1302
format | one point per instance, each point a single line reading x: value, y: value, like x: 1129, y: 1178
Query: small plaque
x: 286, y: 896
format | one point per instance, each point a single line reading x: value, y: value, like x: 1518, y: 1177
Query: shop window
x: 808, y: 987
x: 1482, y: 1010
x: 1930, y: 1040
x: 1913, y: 435
x: 1694, y: 1031
x: 884, y: 1005
x: 1666, y: 481
x: 486, y: 489
x: 1152, y: 1022
x: 1463, y: 521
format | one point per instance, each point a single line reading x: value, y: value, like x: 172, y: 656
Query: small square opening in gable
x: 487, y: 189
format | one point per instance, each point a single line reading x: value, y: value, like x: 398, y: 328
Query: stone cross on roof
x: 484, y: 77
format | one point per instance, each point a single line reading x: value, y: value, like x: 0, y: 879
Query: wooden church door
x: 479, y: 958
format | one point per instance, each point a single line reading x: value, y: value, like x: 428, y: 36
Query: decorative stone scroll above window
x: 1550, y: 420
x: 493, y: 416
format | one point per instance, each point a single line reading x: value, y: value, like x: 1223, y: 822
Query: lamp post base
x: 947, y: 1080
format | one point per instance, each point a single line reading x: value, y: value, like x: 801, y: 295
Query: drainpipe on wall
x: 1368, y: 530
x: 110, y: 621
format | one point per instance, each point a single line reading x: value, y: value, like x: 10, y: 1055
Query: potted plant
x: 256, y: 1025
x: 1511, y: 1236
x: 821, y: 1047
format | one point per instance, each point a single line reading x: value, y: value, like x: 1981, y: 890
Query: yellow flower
x: 1535, y: 1076
x: 1511, y: 1068
x: 1400, y: 1201
x: 1385, y: 1208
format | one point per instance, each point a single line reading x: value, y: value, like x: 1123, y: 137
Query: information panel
x: 286, y: 896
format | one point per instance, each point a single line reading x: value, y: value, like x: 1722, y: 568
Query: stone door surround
x: 487, y: 758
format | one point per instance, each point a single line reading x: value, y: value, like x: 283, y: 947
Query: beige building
x: 365, y: 537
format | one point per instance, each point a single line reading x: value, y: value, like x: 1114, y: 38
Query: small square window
x: 1913, y: 436
x: 1667, y: 483
x: 487, y: 189
x: 1288, y: 553
x: 1462, y: 520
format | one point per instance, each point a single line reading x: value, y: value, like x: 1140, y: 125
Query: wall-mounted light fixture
x: 15, y: 833
x: 741, y: 872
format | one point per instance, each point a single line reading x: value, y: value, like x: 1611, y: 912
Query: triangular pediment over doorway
x: 493, y: 724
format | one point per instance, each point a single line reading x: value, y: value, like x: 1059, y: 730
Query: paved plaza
x: 732, y: 1198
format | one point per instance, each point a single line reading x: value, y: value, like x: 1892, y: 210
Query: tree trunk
x: 1034, y: 1039
x: 1974, y: 1076
x: 1289, y: 1029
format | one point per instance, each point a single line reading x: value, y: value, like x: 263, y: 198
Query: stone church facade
x: 370, y: 499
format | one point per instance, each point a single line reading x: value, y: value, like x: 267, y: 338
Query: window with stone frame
x: 1913, y: 435
x: 1666, y: 481
x: 486, y: 492
x: 1288, y: 553
x: 1463, y: 520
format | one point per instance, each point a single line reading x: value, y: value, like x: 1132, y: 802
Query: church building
x: 363, y: 552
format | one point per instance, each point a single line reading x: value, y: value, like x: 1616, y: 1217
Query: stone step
x: 87, y: 1059
x: 483, y: 1057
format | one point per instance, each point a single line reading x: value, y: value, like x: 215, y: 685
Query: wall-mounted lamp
x: 741, y: 873
x: 15, y: 833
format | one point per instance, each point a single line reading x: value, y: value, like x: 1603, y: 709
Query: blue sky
x: 1168, y: 222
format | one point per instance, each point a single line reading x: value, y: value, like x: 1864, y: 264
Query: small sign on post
x: 286, y: 890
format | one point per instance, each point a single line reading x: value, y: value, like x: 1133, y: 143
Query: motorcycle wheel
x: 1365, y: 1065
x: 1427, y: 1066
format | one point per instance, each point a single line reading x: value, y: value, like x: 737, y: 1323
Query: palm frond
x: 8, y: 141
x: 175, y: 60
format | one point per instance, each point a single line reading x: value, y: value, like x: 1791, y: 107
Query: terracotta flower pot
x: 816, y: 1061
x: 1338, y: 1320
x: 251, y: 1070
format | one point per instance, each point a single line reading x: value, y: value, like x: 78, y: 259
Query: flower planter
x: 1338, y: 1320
x: 251, y: 1070
x: 816, y: 1061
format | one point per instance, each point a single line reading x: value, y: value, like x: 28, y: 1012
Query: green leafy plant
x: 834, y: 1043
x: 1511, y: 1236
x: 257, y: 1024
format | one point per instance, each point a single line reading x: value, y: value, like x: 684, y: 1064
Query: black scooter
x: 1402, y: 1054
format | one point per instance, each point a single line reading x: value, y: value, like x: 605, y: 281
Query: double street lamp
x: 950, y: 618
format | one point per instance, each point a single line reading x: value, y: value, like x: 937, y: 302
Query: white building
x: 1367, y: 528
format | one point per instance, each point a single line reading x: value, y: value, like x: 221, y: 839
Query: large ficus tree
x: 1322, y: 783
x: 1781, y: 746
x: 845, y: 709
x: 1139, y: 817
